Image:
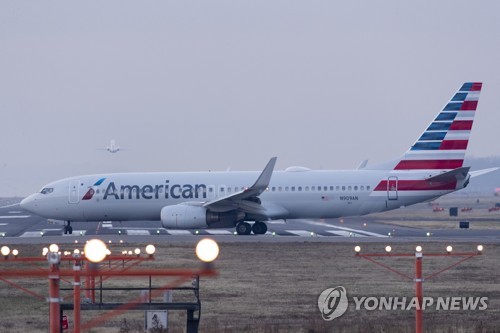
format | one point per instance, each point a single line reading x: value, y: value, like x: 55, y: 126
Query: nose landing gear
x: 68, y: 229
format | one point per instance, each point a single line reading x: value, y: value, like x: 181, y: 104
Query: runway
x: 20, y: 227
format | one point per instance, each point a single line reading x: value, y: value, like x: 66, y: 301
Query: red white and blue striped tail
x: 442, y: 146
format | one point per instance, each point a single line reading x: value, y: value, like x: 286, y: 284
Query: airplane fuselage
x: 300, y: 194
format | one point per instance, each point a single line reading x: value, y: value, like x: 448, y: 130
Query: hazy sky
x: 199, y: 85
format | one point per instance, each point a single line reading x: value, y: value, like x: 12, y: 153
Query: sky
x: 212, y: 85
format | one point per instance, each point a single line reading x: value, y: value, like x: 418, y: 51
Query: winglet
x: 262, y: 182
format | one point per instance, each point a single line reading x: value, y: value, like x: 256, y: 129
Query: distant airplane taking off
x: 432, y: 167
x: 112, y: 148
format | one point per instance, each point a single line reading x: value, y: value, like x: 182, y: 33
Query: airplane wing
x: 247, y: 200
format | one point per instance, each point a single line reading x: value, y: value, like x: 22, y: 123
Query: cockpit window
x: 47, y: 190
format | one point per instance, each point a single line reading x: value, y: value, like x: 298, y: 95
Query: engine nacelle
x: 192, y: 217
x: 183, y: 217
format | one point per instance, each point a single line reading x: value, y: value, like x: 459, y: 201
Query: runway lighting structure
x: 15, y: 253
x: 418, y: 248
x: 95, y: 250
x: 137, y: 251
x: 5, y: 251
x: 150, y: 249
x: 480, y: 248
x: 45, y: 251
x: 357, y: 249
x: 53, y: 248
x: 388, y: 249
x: 449, y: 248
x: 207, y: 250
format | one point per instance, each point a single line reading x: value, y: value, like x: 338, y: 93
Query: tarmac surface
x: 20, y: 227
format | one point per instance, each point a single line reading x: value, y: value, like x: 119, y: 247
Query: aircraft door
x: 392, y: 188
x: 74, y: 193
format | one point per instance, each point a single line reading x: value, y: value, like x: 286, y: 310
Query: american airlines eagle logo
x: 90, y: 193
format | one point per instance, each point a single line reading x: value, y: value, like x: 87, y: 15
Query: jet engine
x: 191, y: 217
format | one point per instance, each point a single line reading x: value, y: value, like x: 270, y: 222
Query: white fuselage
x: 296, y: 194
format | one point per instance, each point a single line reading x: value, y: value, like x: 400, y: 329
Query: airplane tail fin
x: 443, y: 144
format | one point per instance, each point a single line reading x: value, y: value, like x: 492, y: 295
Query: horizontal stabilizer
x: 455, y: 174
x: 478, y: 173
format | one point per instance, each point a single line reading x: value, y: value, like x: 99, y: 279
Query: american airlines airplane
x: 112, y: 148
x: 432, y: 167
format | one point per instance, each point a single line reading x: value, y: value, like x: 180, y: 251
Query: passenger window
x: 331, y: 188
x: 293, y: 188
x: 300, y: 188
x: 313, y: 188
x: 307, y: 188
x: 355, y: 188
x: 338, y: 188
x: 343, y: 188
x: 286, y: 189
x: 362, y: 188
x: 279, y: 188
x: 368, y: 188
x: 349, y: 188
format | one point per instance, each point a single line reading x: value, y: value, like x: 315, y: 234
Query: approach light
x: 53, y: 248
x: 108, y: 252
x: 418, y: 248
x: 129, y: 252
x: 480, y: 248
x: 388, y: 249
x: 45, y: 251
x: 5, y: 251
x: 449, y: 248
x: 357, y: 248
x: 150, y: 249
x: 95, y: 250
x: 428, y: 234
x: 15, y: 253
x: 207, y: 250
x: 137, y: 251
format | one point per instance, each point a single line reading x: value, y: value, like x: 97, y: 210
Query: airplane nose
x: 29, y: 203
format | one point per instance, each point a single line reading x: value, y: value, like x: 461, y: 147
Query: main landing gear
x: 245, y: 228
x: 68, y: 229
